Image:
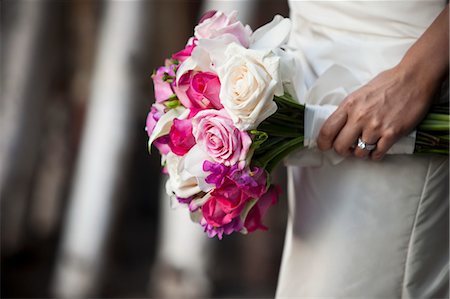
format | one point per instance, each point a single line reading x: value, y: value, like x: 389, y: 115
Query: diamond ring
x: 364, y: 146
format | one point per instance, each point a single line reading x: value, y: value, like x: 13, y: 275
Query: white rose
x: 181, y: 186
x: 186, y: 175
x: 249, y: 80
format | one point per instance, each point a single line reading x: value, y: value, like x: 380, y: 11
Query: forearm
x: 427, y: 61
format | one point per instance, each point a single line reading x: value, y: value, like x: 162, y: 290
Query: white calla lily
x: 164, y: 124
x: 271, y: 35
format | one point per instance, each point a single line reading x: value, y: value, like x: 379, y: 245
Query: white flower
x: 183, y: 187
x: 207, y: 55
x: 164, y: 124
x: 193, y: 167
x: 272, y: 35
x: 249, y: 80
x: 186, y: 175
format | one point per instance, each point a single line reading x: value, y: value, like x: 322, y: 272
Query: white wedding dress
x: 362, y: 229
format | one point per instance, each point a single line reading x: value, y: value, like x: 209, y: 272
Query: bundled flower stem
x: 433, y: 132
x: 285, y: 132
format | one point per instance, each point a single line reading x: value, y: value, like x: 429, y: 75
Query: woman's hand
x: 381, y: 112
x: 392, y: 104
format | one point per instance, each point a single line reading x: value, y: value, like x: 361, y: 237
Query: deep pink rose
x: 181, y: 138
x: 225, y: 203
x: 163, y: 81
x: 184, y: 54
x: 220, y: 24
x: 230, y: 198
x: 193, y: 112
x: 253, y: 221
x: 217, y: 136
x: 199, y: 90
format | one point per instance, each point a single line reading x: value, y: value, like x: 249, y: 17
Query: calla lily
x: 271, y: 35
x: 164, y: 124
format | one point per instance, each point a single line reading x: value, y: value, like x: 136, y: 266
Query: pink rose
x: 216, y: 135
x: 163, y: 81
x: 214, y: 215
x: 184, y: 54
x: 220, y: 24
x: 207, y: 15
x: 199, y: 90
x: 253, y: 221
x: 181, y: 138
x: 225, y: 203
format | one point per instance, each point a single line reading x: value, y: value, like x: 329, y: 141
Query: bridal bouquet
x: 224, y: 117
x: 210, y: 99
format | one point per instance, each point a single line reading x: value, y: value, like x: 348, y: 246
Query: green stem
x: 266, y: 158
x: 275, y: 160
x: 285, y: 123
x: 434, y: 127
x: 288, y: 118
x: 269, y: 144
x: 288, y: 101
x: 437, y: 116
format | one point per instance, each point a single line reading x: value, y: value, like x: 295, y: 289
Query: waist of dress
x: 367, y: 19
x: 303, y: 23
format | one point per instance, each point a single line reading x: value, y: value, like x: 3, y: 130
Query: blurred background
x: 82, y: 212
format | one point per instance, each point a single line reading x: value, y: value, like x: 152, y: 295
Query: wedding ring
x: 364, y: 146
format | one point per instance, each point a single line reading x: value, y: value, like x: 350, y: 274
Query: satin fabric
x: 358, y: 228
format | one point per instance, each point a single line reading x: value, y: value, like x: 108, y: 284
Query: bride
x: 370, y: 225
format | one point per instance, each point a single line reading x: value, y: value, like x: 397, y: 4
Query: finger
x: 345, y: 141
x: 383, y: 145
x: 368, y: 138
x: 331, y: 128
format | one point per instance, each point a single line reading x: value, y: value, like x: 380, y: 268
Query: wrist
x: 421, y: 73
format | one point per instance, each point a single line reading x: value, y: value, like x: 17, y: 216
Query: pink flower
x: 153, y: 116
x: 181, y: 138
x: 225, y: 203
x: 253, y: 221
x: 219, y: 24
x: 252, y: 181
x: 218, y: 173
x: 184, y: 54
x: 162, y: 144
x: 214, y: 215
x: 163, y: 81
x: 216, y: 135
x: 207, y: 15
x: 235, y: 225
x: 199, y: 90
